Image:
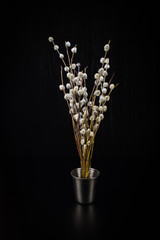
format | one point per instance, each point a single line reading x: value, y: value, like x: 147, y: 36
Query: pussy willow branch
x: 77, y: 140
x: 85, y: 152
x: 103, y: 106
x: 73, y: 56
x: 91, y: 96
x: 75, y: 126
x: 69, y: 61
x: 59, y: 54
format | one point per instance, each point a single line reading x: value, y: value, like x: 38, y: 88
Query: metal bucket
x: 85, y: 188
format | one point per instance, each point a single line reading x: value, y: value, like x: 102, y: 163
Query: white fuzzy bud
x: 95, y: 108
x: 111, y: 86
x: 84, y: 89
x: 107, y: 98
x: 74, y: 50
x: 107, y: 66
x: 90, y: 104
x: 72, y: 92
x: 68, y: 75
x: 84, y: 109
x: 106, y: 47
x: 61, y: 87
x: 61, y: 55
x: 67, y: 96
x: 67, y: 44
x: 100, y: 108
x: 68, y: 85
x: 101, y: 116
x: 80, y: 74
x: 97, y: 93
x: 102, y: 60
x: 104, y: 90
x: 101, y: 70
x: 98, y: 119
x: 81, y: 121
x: 105, y: 84
x: 92, y: 118
x: 101, y: 99
x: 80, y: 92
x: 86, y: 99
x: 89, y: 143
x: 88, y: 130
x: 75, y: 79
x: 82, y: 141
x: 83, y: 101
x: 85, y: 75
x: 71, y: 76
x: 50, y: 39
x: 96, y: 76
x: 104, y: 108
x: 76, y: 88
x: 95, y: 113
x: 105, y: 73
x: 107, y: 60
x: 83, y: 131
x: 84, y: 147
x: 71, y: 105
x: 101, y: 79
x: 85, y: 94
x: 77, y: 105
x: 97, y: 82
x: 66, y: 69
x: 91, y: 134
x: 76, y: 116
x: 56, y: 47
x: 73, y: 66
x: 79, y: 82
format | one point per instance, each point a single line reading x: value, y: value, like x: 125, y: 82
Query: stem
x: 72, y: 56
x: 103, y: 106
x: 59, y: 53
x: 73, y: 124
x: 85, y: 154
x: 77, y: 141
x: 69, y: 61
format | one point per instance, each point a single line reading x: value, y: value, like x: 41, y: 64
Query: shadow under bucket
x: 85, y: 188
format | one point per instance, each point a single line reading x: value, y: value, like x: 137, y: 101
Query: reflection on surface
x: 84, y: 220
x: 84, y: 215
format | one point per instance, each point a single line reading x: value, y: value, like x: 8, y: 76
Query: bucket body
x: 85, y: 188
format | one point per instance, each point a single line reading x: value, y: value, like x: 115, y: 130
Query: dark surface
x: 39, y: 151
x: 39, y: 202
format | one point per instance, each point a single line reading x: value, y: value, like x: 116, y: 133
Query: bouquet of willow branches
x: 86, y: 113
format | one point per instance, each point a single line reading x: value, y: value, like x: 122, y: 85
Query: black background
x: 39, y: 151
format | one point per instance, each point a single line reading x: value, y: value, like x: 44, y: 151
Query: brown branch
x: 69, y: 61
